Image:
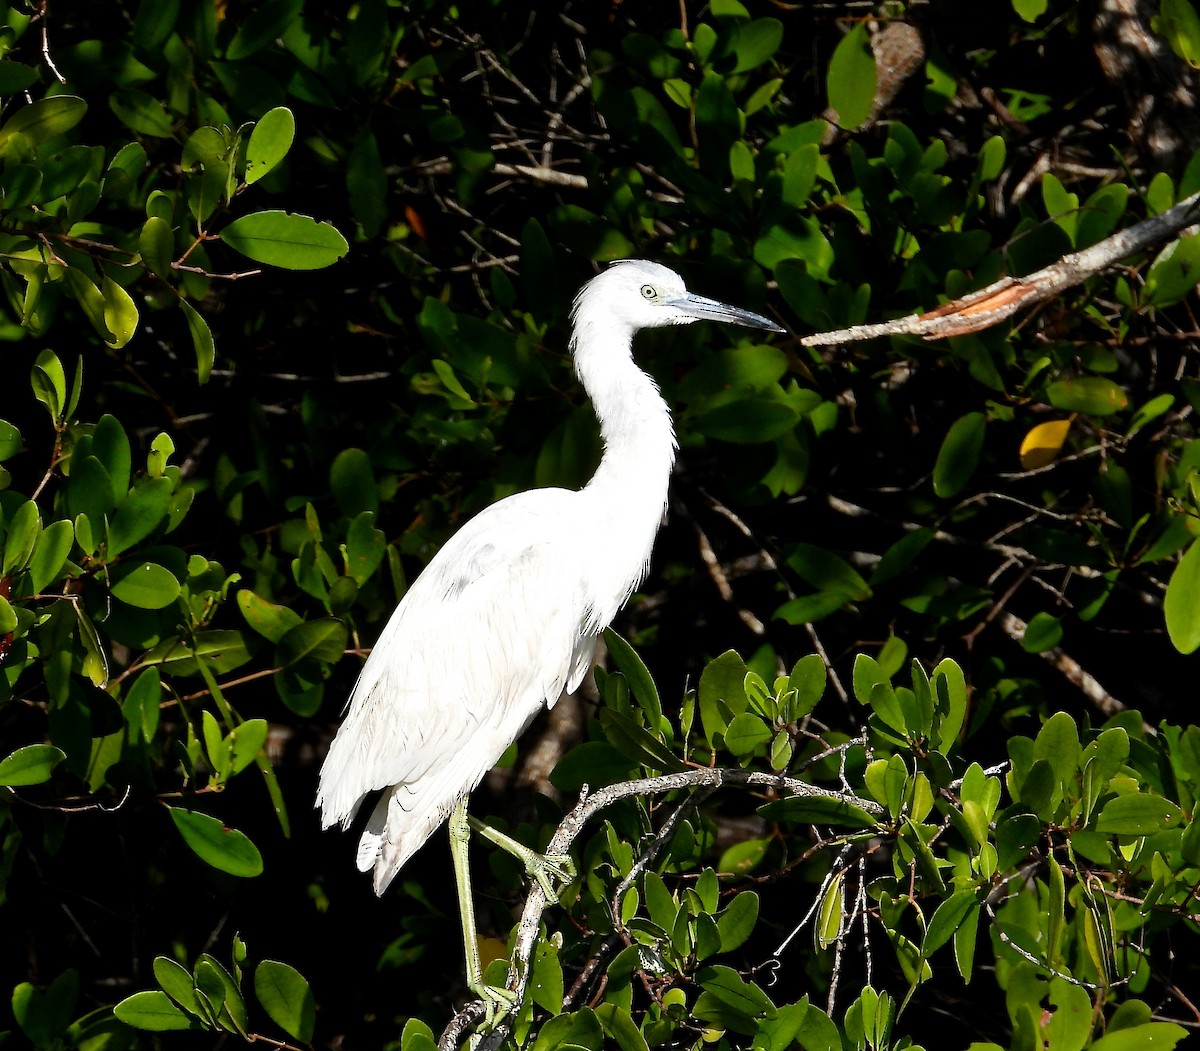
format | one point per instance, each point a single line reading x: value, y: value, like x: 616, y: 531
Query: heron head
x: 643, y: 294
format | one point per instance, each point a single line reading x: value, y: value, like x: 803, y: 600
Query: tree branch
x: 569, y: 830
x: 1003, y: 298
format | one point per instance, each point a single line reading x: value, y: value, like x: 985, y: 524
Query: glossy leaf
x: 32, y: 765
x: 269, y: 619
x: 146, y: 585
x: 959, y: 454
x: 42, y: 120
x: 293, y: 242
x: 156, y: 243
x: 850, y: 81
x: 1181, y: 604
x: 286, y: 997
x: 223, y: 848
x: 1139, y: 814
x: 1042, y: 444
x: 269, y: 143
x: 1093, y: 395
x: 154, y: 1011
x: 139, y: 514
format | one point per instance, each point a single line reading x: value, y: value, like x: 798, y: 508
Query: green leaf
x: 177, y: 982
x: 269, y: 143
x: 10, y: 440
x: 636, y: 743
x: 50, y: 555
x: 223, y: 848
x: 641, y: 684
x: 42, y: 120
x: 946, y: 920
x: 352, y: 479
x: 222, y: 651
x: 959, y: 454
x: 202, y: 341
x: 155, y: 1012
x: 950, y: 686
x: 721, y: 688
x: 43, y: 1016
x: 365, y: 548
x: 808, y: 679
x: 141, y: 112
x: 268, y: 619
x: 546, y: 978
x: 1092, y: 395
x: 620, y: 1027
x: 717, y: 122
x: 145, y: 585
x: 49, y: 382
x: 850, y: 80
x: 1181, y: 605
x: 1043, y: 632
x: 321, y: 640
x: 756, y: 43
x: 746, y: 733
x: 15, y: 77
x: 8, y: 617
x: 748, y: 420
x: 293, y: 242
x: 1152, y: 1036
x: 120, y: 313
x: 31, y: 765
x: 736, y: 922
x: 139, y: 514
x: 727, y: 986
x: 261, y: 27
x: 818, y: 810
x: 23, y: 530
x: 141, y: 703
x: 286, y: 997
x: 1138, y: 814
x: 1100, y: 214
x: 1178, y: 21
x: 594, y: 763
x: 156, y: 243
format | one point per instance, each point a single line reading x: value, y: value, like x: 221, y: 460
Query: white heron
x: 506, y: 615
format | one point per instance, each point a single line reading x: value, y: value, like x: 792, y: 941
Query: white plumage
x: 505, y: 617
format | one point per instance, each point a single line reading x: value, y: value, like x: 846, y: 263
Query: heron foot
x: 547, y: 868
x: 498, y: 1002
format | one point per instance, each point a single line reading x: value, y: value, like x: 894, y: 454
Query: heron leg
x: 545, y: 868
x: 495, y: 999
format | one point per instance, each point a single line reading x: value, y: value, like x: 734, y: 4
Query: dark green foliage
x: 285, y: 299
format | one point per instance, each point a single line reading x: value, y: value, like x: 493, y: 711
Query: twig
x: 1003, y: 298
x: 568, y: 831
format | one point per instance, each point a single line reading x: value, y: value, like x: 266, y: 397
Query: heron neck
x: 635, y: 427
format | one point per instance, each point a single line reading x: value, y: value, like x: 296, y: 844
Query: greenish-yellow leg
x: 494, y: 998
x: 544, y: 868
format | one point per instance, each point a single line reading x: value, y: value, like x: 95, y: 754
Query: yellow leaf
x: 490, y: 949
x: 1043, y: 443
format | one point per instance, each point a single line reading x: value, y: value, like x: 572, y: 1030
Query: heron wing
x: 492, y: 631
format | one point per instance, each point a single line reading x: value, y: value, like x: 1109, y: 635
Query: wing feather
x: 491, y: 632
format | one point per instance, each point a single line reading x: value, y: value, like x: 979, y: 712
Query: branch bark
x: 1003, y: 298
x: 568, y: 831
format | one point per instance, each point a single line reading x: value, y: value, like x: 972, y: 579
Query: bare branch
x: 568, y: 831
x: 1003, y: 298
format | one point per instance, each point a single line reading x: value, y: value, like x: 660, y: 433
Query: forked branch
x: 569, y: 830
x: 1001, y: 299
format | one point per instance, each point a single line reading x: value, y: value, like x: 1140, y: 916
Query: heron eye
x: 649, y: 292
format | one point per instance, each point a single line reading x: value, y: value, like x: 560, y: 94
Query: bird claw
x: 546, y: 868
x: 497, y: 1002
